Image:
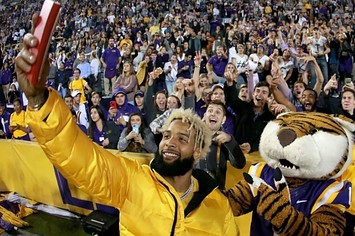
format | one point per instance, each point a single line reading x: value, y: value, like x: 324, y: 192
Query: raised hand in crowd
x: 308, y: 59
x: 331, y: 84
x: 198, y: 59
x: 274, y: 57
x: 230, y: 77
x: 154, y: 75
x: 189, y: 86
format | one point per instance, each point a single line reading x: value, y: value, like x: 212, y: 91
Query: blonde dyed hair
x: 202, y: 133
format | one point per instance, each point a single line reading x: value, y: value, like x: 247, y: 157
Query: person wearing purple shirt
x: 185, y: 67
x: 217, y: 64
x: 68, y: 65
x: 61, y: 80
x: 4, y: 122
x: 103, y: 132
x: 110, y: 59
x: 5, y: 79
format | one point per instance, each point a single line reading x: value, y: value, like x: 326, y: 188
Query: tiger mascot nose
x: 286, y: 137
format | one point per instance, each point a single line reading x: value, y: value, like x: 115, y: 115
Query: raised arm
x: 276, y: 84
x: 149, y: 96
x: 319, y: 83
x: 51, y: 122
x: 196, y: 75
x: 157, y: 124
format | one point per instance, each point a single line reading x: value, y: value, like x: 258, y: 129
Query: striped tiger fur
x: 316, y: 201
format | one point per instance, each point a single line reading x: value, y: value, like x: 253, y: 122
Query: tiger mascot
x: 298, y: 190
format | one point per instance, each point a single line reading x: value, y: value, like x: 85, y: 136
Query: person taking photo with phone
x: 136, y: 137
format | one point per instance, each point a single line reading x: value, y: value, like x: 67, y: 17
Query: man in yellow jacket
x: 165, y: 198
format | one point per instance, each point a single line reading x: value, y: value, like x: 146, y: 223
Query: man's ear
x: 197, y: 154
x: 223, y: 120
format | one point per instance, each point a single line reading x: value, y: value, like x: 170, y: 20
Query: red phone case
x: 43, y: 32
x: 113, y: 104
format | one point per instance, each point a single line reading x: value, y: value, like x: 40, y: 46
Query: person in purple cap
x: 4, y: 122
x: 120, y: 109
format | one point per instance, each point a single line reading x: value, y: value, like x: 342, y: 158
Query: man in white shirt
x: 80, y: 109
x: 319, y: 48
x: 171, y: 70
x: 260, y: 62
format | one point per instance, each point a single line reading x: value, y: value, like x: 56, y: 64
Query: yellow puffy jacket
x: 148, y: 204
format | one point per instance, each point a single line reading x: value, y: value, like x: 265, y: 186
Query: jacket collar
x: 205, y: 182
x: 206, y: 185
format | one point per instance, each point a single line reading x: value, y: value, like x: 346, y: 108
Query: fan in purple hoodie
x: 120, y: 109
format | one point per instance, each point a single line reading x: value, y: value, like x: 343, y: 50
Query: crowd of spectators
x: 119, y: 64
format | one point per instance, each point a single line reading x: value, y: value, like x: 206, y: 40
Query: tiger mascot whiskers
x: 298, y: 191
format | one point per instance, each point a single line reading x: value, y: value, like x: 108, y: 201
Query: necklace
x: 188, y: 191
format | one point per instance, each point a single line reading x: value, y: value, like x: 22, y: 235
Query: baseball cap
x: 139, y: 93
x: 261, y: 46
x: 218, y: 86
x: 2, y: 104
x: 75, y: 92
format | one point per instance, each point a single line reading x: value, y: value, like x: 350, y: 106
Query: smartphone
x: 43, y: 32
x: 135, y: 129
x: 113, y: 105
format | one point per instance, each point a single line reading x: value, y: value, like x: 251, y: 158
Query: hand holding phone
x: 43, y: 32
x: 113, y: 105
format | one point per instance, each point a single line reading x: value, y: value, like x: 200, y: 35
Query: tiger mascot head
x: 308, y: 145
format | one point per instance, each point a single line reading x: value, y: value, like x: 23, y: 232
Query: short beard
x: 177, y: 168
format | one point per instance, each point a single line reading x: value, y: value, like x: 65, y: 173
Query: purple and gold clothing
x: 111, y: 57
x: 219, y: 64
x: 306, y: 198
